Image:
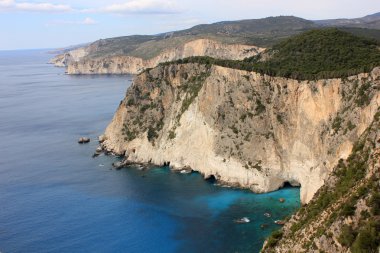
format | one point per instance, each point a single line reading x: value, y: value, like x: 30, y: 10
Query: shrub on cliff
x: 368, y: 239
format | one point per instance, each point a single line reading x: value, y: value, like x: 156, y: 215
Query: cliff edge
x: 87, y: 61
x: 245, y: 129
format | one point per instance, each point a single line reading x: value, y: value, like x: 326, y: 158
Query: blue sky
x: 26, y: 24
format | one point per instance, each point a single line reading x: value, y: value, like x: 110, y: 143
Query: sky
x: 28, y: 24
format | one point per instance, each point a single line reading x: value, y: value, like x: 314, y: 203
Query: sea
x: 54, y: 197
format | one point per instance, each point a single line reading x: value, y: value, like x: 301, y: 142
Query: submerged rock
x: 118, y: 165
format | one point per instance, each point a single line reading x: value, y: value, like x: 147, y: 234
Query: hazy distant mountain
x: 369, y: 21
x: 260, y: 32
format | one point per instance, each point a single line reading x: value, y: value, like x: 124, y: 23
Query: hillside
x: 344, y: 216
x: 322, y: 53
x: 256, y: 32
x: 316, y: 54
x: 369, y: 21
x: 132, y: 54
x: 304, y: 112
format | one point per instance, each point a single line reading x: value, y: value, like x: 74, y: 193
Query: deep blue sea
x: 54, y: 197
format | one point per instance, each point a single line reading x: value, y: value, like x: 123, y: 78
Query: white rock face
x: 75, y: 55
x: 77, y: 62
x: 302, y: 148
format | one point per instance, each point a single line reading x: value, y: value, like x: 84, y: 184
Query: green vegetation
x: 259, y: 32
x: 374, y: 202
x: 130, y: 102
x: 172, y: 134
x: 363, y: 98
x: 190, y: 89
x: 260, y: 108
x: 348, y: 176
x: 350, y: 126
x: 152, y: 134
x: 263, y: 32
x: 280, y: 119
x: 274, y: 238
x: 321, y: 54
x: 351, y: 187
x: 143, y: 108
x: 336, y: 125
x: 347, y: 236
x: 368, y: 239
x: 129, y: 134
x: 316, y: 54
x: 234, y: 129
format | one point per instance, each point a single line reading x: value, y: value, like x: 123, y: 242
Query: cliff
x: 83, y: 61
x: 245, y: 129
x: 344, y: 215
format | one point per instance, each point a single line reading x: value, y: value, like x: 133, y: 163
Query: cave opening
x: 291, y: 184
x: 211, y: 179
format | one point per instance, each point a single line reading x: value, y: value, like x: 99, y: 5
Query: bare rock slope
x: 244, y: 128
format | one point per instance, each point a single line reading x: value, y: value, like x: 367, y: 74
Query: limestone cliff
x: 344, y: 215
x: 246, y: 129
x: 80, y: 61
x: 75, y: 55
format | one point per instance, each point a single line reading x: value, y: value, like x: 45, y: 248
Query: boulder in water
x: 280, y: 222
x: 83, y: 140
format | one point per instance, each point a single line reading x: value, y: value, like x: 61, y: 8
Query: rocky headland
x: 243, y: 128
x: 80, y: 61
x: 268, y: 120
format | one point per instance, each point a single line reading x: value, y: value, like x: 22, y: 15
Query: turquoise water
x: 55, y: 198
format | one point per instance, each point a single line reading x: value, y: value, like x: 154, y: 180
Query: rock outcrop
x: 344, y: 215
x: 81, y: 61
x: 246, y: 129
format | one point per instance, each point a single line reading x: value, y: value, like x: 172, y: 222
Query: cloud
x: 124, y: 7
x: 86, y: 21
x: 12, y: 5
x: 143, y: 7
x: 6, y: 3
